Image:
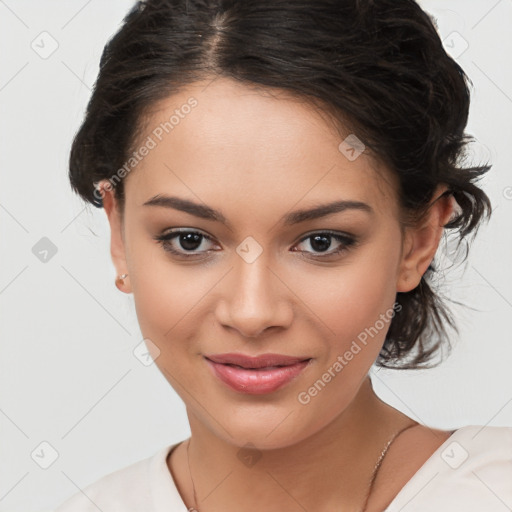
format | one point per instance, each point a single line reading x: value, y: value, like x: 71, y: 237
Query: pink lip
x: 256, y: 375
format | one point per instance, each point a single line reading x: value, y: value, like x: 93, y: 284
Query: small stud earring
x: 120, y: 279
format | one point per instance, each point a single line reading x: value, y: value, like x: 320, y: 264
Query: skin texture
x: 255, y: 157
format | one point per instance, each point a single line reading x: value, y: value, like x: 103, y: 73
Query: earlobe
x: 117, y: 246
x: 120, y: 281
x: 421, y: 242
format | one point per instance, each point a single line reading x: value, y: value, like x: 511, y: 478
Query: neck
x: 330, y: 470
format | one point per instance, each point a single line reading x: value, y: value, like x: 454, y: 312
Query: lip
x: 256, y: 375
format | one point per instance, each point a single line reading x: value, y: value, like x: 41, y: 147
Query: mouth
x: 254, y: 368
x: 256, y: 375
x: 256, y: 362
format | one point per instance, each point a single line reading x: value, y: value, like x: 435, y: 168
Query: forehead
x: 222, y: 141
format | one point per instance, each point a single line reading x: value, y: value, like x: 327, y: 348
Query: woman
x: 277, y: 176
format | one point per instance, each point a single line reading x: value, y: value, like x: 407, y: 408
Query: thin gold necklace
x: 370, y: 487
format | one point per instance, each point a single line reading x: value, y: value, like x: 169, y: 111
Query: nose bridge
x: 254, y: 298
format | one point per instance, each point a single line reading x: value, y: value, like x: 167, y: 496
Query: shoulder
x: 127, y: 489
x: 471, y: 470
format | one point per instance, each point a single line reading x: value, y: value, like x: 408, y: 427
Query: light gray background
x: 68, y: 373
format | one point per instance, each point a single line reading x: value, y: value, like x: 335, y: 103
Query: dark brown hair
x: 379, y: 66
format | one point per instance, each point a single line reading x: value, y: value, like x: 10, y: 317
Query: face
x: 259, y: 279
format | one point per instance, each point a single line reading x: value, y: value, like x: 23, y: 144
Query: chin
x: 269, y: 428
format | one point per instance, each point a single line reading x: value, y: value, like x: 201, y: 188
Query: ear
x: 421, y: 242
x: 117, y: 246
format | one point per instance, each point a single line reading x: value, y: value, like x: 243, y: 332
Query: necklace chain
x: 370, y: 487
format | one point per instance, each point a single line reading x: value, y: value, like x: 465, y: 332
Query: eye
x: 186, y: 243
x: 321, y: 242
x: 183, y: 242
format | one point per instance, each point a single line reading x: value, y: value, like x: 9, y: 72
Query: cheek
x: 349, y: 299
x: 165, y: 294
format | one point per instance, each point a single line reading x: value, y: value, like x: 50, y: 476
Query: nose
x: 254, y: 299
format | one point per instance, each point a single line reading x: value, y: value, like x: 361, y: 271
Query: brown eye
x: 184, y: 242
x: 321, y: 242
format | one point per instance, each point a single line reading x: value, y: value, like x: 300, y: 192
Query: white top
x: 470, y: 471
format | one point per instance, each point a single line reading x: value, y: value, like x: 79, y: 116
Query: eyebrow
x: 205, y: 212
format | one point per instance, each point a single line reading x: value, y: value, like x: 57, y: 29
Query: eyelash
x: 346, y: 241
